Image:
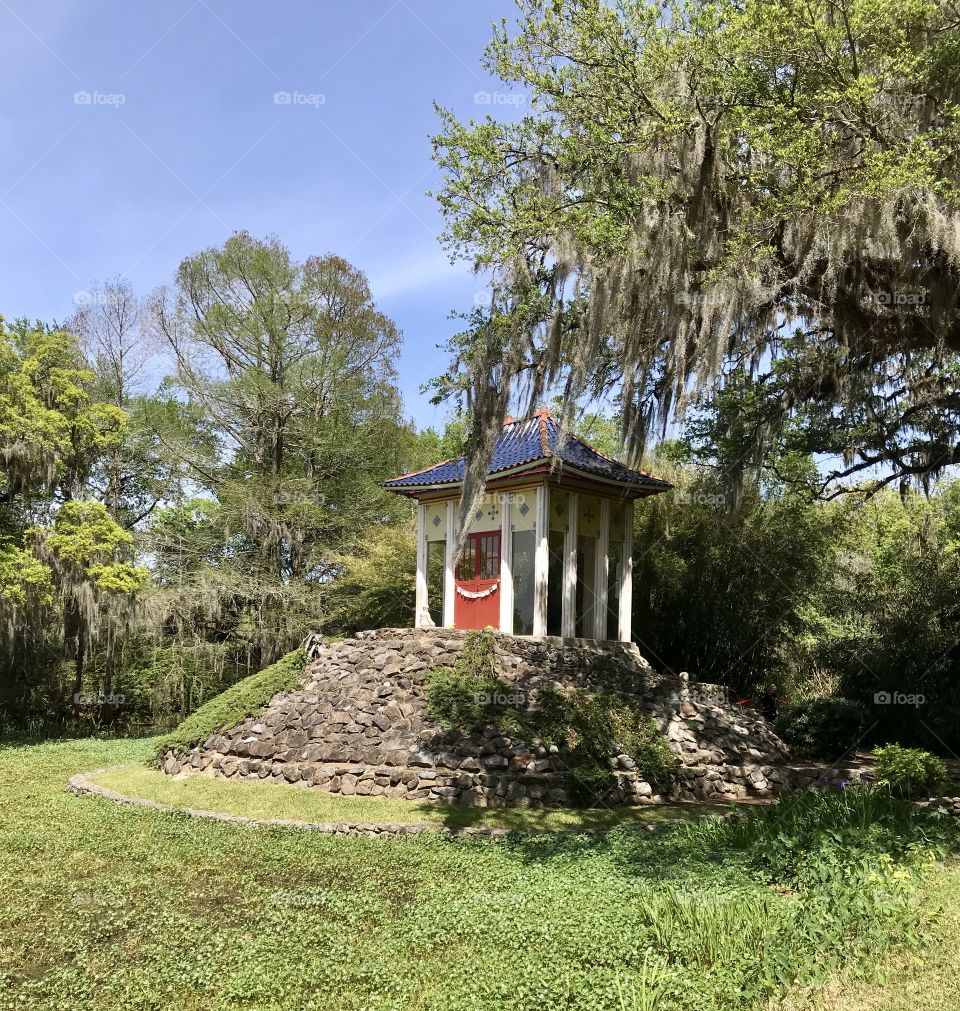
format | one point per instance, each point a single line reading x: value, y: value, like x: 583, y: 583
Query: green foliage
x: 843, y: 599
x: 469, y: 696
x: 375, y: 586
x: 51, y: 428
x: 855, y: 857
x: 675, y: 920
x: 590, y: 727
x: 728, y: 594
x: 823, y: 728
x: 910, y: 772
x: 288, y: 371
x: 23, y: 580
x: 236, y: 703
x: 86, y: 544
x: 595, y: 726
x: 676, y: 212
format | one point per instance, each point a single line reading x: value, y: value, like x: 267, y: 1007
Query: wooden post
x: 602, y: 576
x: 450, y: 565
x: 541, y: 560
x: 626, y: 575
x: 506, y: 565
x: 568, y: 621
x: 421, y: 616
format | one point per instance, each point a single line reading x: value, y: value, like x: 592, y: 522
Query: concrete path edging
x: 81, y: 786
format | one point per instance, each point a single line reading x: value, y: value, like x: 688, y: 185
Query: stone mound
x: 360, y: 726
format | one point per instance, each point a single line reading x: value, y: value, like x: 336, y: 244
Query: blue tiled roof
x: 526, y: 442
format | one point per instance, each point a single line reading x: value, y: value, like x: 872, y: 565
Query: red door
x: 477, y: 602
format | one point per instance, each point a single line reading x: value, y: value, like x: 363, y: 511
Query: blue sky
x: 135, y: 134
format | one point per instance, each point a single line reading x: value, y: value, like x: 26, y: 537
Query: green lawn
x: 272, y: 801
x: 104, y: 906
x: 925, y: 980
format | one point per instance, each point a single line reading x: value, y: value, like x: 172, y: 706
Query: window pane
x: 490, y: 556
x: 436, y: 552
x: 613, y: 592
x: 586, y: 594
x: 522, y: 565
x: 555, y: 582
x: 467, y: 566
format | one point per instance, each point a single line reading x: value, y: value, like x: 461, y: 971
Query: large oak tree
x: 764, y: 190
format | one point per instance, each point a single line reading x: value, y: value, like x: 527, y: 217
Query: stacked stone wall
x: 360, y: 726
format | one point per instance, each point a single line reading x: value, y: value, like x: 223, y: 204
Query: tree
x: 706, y: 187
x: 375, y: 587
x: 292, y: 367
x: 91, y: 558
x: 730, y: 594
x: 54, y: 545
x: 115, y: 332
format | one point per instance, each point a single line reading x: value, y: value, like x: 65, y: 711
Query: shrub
x: 590, y: 727
x: 822, y: 728
x: 461, y: 701
x: 235, y: 704
x: 469, y: 696
x: 910, y: 772
x: 799, y: 835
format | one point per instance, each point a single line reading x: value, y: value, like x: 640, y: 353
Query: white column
x: 506, y: 570
x: 626, y: 575
x: 541, y: 560
x: 450, y: 564
x: 568, y: 622
x: 602, y: 577
x: 421, y: 616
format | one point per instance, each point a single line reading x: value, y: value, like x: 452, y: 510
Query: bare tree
x: 113, y: 329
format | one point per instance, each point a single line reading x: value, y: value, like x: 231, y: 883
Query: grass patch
x: 271, y: 800
x: 235, y: 704
x: 903, y: 979
x: 112, y: 908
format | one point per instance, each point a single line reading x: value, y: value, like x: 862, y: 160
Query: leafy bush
x: 822, y: 728
x: 590, y: 727
x: 794, y: 840
x: 595, y: 726
x: 236, y: 703
x: 910, y: 772
x: 466, y: 702
x: 469, y: 696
